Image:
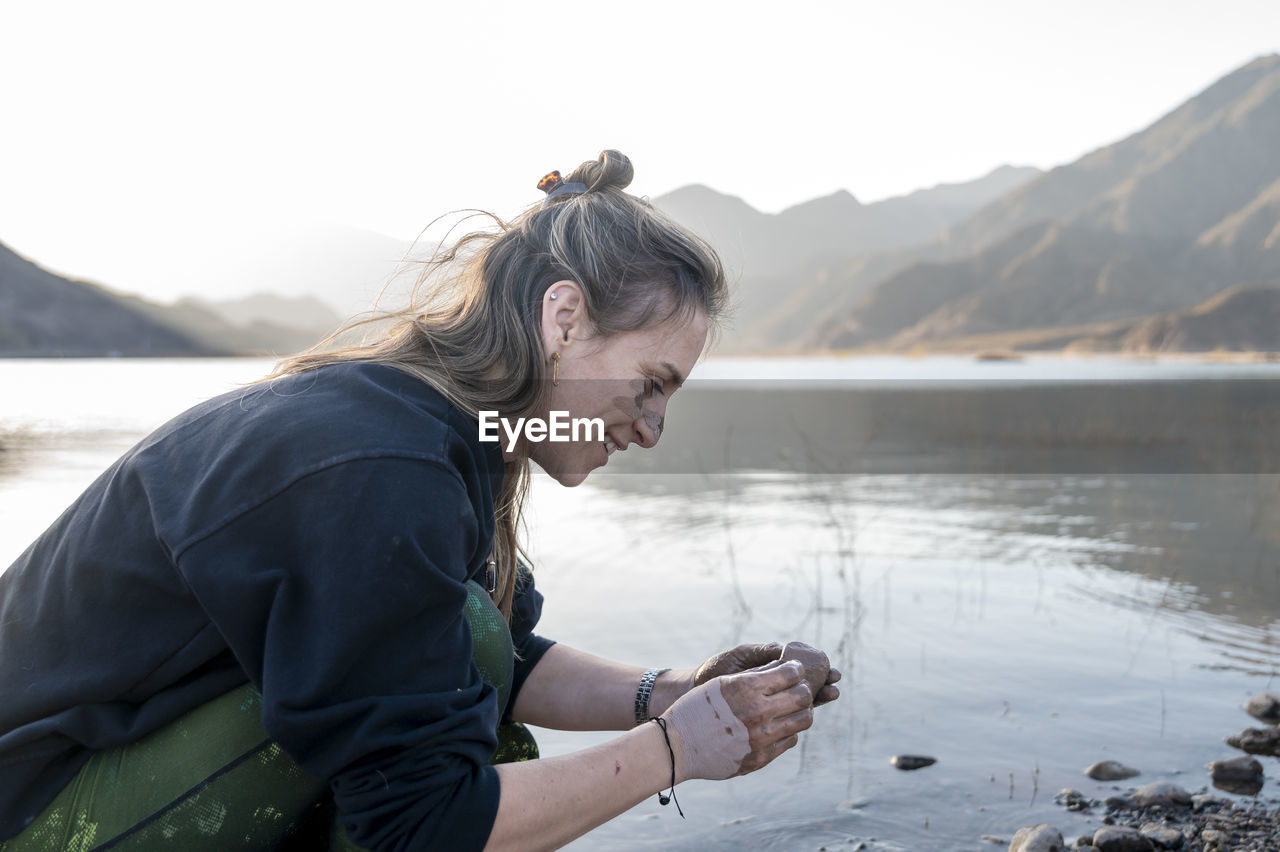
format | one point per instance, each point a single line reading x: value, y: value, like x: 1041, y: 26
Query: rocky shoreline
x: 1162, y: 816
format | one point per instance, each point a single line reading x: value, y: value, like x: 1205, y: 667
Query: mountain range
x: 345, y: 272
x: 780, y: 263
x: 1166, y: 240
x: 1154, y: 224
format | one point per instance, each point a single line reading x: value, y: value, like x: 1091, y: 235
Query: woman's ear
x: 564, y: 315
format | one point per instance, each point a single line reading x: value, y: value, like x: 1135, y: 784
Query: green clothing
x: 213, y: 780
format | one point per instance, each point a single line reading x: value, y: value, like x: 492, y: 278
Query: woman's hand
x: 746, y: 657
x: 737, y: 723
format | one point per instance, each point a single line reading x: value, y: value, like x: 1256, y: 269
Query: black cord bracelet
x: 664, y: 799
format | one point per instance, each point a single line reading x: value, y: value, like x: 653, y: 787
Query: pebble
x: 907, y: 762
x: 1200, y: 801
x: 1110, y: 770
x: 1160, y: 793
x: 1264, y: 707
x: 1163, y: 816
x: 1120, y: 839
x: 1162, y: 837
x: 1257, y: 741
x: 1037, y: 838
x: 1073, y: 800
x: 1235, y: 825
x: 814, y: 663
x: 1241, y: 775
x: 1212, y: 837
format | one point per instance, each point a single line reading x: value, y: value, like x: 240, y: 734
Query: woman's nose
x: 648, y: 427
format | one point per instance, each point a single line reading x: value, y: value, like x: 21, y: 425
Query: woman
x: 270, y: 612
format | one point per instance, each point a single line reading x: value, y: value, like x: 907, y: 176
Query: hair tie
x: 554, y: 185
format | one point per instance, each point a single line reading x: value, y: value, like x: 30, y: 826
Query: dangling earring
x: 555, y: 369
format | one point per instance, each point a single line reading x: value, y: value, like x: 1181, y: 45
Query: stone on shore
x: 1212, y: 825
x: 1242, y: 775
x: 1037, y: 838
x: 1117, y: 838
x: 1200, y: 801
x: 907, y: 762
x: 1110, y: 770
x: 1163, y: 837
x: 1073, y: 800
x: 1160, y: 793
x: 1257, y: 741
x: 1264, y: 707
x: 1212, y: 838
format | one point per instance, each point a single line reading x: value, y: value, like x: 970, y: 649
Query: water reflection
x: 1018, y: 627
x: 9, y: 450
x: 1207, y: 426
x: 1211, y: 541
x: 21, y: 449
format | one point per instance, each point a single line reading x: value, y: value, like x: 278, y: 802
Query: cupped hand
x: 735, y: 660
x: 737, y: 723
x: 753, y: 656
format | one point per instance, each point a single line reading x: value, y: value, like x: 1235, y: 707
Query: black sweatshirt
x: 313, y: 536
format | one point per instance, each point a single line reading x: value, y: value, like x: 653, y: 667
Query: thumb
x: 754, y: 655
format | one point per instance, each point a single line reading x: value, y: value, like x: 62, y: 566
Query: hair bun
x: 611, y: 170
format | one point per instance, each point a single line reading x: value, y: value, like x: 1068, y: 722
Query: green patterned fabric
x: 491, y: 648
x: 213, y: 779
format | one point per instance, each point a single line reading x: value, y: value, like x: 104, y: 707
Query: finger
x: 772, y: 664
x: 768, y: 708
x: 781, y: 727
x: 754, y: 655
x: 790, y: 700
x: 833, y: 675
x: 826, y: 695
x: 780, y: 678
x: 764, y: 756
x: 792, y: 723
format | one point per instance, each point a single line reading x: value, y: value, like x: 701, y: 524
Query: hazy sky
x: 138, y: 140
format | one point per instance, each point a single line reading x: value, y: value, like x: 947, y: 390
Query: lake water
x: 1021, y: 568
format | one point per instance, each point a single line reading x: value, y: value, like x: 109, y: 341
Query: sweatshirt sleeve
x: 526, y: 609
x: 342, y: 596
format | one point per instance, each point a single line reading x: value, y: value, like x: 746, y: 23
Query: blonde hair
x: 477, y: 309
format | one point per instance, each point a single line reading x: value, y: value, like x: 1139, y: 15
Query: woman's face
x: 626, y: 380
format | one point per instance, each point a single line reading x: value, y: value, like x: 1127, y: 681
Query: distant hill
x: 304, y: 312
x: 261, y: 323
x: 767, y: 255
x: 248, y: 334
x: 42, y: 314
x: 345, y: 269
x: 1240, y: 319
x: 1156, y: 223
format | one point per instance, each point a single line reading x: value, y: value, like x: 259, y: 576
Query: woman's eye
x: 653, y: 386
